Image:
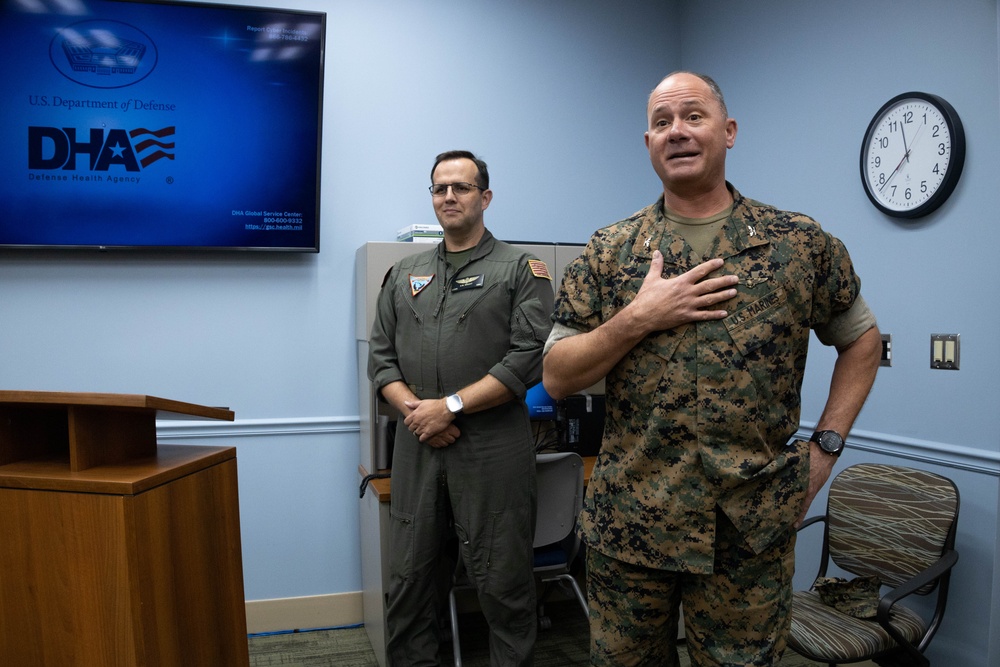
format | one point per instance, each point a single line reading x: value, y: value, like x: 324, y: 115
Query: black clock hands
x: 906, y: 154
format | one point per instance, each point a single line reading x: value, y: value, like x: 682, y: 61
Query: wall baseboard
x: 304, y: 613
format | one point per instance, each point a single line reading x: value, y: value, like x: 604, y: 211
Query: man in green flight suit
x: 456, y: 343
x: 698, y: 310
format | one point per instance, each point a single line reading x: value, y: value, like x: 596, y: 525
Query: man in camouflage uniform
x: 457, y: 341
x: 697, y: 489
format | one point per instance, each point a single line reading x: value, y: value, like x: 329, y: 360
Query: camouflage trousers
x: 735, y: 617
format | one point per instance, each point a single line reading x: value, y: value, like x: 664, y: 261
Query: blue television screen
x: 137, y: 124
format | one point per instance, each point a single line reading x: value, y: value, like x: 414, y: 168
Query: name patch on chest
x: 467, y: 282
x: 754, y: 309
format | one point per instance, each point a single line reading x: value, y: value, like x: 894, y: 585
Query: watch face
x: 830, y: 441
x: 912, y: 155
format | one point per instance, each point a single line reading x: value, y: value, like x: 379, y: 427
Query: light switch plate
x: 945, y: 351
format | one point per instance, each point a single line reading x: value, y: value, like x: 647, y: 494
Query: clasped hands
x: 661, y: 304
x: 432, y: 422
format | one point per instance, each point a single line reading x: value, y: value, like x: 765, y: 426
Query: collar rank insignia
x: 418, y: 283
x: 538, y: 269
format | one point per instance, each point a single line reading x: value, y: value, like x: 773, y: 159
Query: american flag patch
x: 538, y: 269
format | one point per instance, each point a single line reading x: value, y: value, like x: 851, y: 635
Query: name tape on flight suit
x: 468, y: 282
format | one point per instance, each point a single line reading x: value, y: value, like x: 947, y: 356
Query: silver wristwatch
x: 454, y: 403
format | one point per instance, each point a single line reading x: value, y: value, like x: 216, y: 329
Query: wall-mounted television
x: 160, y: 124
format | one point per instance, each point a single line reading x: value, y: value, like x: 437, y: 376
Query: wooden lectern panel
x: 115, y: 552
x: 99, y: 436
x: 89, y: 429
x: 32, y: 432
x: 101, y: 580
x: 192, y: 609
x: 64, y: 580
x: 140, y: 401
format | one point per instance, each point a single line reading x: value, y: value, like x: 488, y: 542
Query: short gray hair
x: 709, y: 81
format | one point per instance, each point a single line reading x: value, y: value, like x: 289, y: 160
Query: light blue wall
x: 552, y: 94
x: 804, y: 78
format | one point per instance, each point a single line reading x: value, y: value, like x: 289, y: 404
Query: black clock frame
x: 957, y: 132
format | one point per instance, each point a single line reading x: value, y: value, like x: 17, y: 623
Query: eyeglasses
x: 441, y: 189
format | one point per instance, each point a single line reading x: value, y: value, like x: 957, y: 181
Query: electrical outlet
x: 886, y: 350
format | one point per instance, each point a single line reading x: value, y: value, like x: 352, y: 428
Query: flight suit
x: 439, y: 329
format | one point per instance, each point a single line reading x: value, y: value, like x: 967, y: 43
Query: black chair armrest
x: 908, y: 587
x: 911, y: 585
x: 811, y: 520
x: 825, y: 555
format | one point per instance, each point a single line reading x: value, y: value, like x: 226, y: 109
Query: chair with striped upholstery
x: 896, y: 524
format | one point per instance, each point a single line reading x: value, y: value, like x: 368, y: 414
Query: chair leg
x: 456, y: 647
x: 576, y: 590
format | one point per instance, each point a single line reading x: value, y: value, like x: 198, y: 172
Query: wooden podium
x: 114, y: 551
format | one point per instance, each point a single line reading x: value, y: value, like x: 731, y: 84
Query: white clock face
x: 908, y: 161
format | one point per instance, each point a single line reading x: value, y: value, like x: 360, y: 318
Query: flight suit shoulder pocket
x: 531, y: 322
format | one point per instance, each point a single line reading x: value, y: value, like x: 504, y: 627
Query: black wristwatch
x: 830, y: 442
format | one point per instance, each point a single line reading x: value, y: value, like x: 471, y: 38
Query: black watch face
x: 830, y: 442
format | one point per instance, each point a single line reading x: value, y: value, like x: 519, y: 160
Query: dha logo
x: 103, y: 54
x: 58, y: 148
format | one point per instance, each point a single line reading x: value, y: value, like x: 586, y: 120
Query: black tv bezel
x: 222, y: 249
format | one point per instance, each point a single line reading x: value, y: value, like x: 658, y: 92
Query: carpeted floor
x: 562, y: 645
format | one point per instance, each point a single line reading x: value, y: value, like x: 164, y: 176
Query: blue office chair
x: 560, y: 498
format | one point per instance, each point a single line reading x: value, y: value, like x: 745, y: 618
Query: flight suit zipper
x: 472, y: 306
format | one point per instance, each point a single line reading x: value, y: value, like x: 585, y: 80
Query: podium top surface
x: 113, y: 401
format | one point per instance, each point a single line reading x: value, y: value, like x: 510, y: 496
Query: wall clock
x: 912, y: 155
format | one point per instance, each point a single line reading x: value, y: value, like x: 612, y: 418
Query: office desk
x: 375, y: 543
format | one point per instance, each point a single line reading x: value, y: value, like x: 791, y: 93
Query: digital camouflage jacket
x: 701, y: 416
